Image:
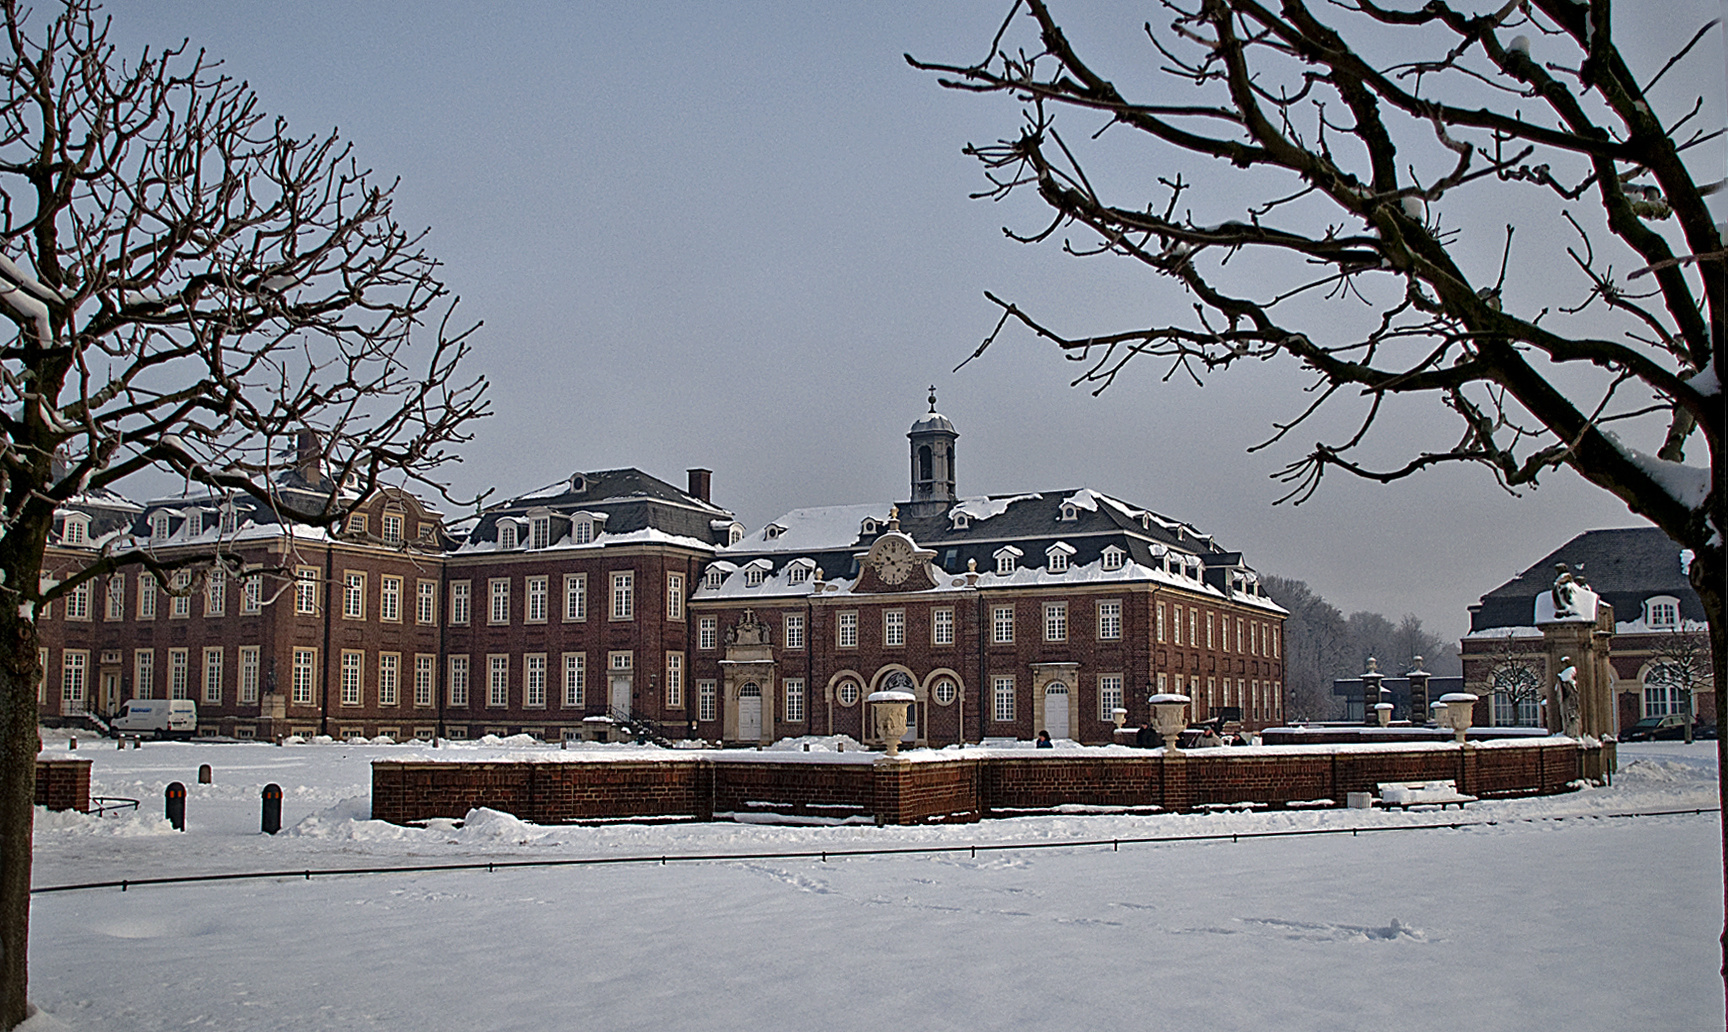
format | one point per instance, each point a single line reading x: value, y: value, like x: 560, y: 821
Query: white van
x: 167, y: 718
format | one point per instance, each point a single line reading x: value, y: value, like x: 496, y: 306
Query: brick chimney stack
x: 700, y: 482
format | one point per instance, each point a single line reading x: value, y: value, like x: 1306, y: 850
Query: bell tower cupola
x: 932, y: 438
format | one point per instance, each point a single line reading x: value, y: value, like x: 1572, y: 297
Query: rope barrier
x: 971, y: 849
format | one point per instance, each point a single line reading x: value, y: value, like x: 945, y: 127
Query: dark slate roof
x: 630, y: 499
x: 1625, y: 567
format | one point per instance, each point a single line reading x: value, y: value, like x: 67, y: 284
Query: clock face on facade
x: 894, y: 560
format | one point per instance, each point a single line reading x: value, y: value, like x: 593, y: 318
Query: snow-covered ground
x: 1583, y: 923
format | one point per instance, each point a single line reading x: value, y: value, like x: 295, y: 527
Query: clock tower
x: 932, y: 439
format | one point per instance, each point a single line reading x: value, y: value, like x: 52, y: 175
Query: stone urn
x: 1119, y: 716
x: 890, y: 709
x: 1460, y: 710
x: 1169, y: 717
x: 1383, y: 712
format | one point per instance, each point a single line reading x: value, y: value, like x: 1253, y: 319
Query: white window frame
x: 180, y: 601
x: 1055, y: 621
x: 707, y: 632
x: 144, y: 673
x: 461, y: 603
x: 707, y: 697
x: 534, y: 680
x: 498, y: 680
x: 304, y: 679
x: 674, y: 596
x: 425, y: 680
x: 498, y: 602
x: 426, y: 602
x: 1002, y: 699
x: 216, y: 592
x: 252, y: 594
x: 942, y: 626
x: 575, y: 679
x: 1002, y: 625
x: 213, y: 675
x: 575, y: 597
x: 353, y: 595
x: 623, y: 595
x: 893, y: 628
x: 78, y: 602
x: 306, y: 590
x: 456, y: 682
x: 74, y: 678
x: 1110, y: 696
x: 846, y: 629
x: 794, y: 688
x: 1110, y: 620
x: 537, y: 589
x: 114, y: 598
x: 390, y: 528
x: 179, y: 672
x: 390, y: 599
x: 352, y: 683
x: 250, y: 663
x: 675, y: 680
x: 794, y: 636
x: 389, y: 678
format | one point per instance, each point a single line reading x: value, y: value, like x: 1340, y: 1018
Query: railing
x: 643, y: 727
x: 101, y: 806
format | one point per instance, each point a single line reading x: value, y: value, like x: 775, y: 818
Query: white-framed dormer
x: 160, y: 521
x: 1662, y: 611
x: 539, y: 527
x: 870, y: 526
x: 732, y: 529
x: 509, y: 533
x: 772, y: 532
x: 960, y: 520
x: 586, y: 526
x: 1007, y: 560
x: 1057, y: 556
x: 798, y: 570
x: 1070, y: 512
x: 756, y: 571
x: 1112, y: 557
x: 75, y: 529
x: 714, y: 577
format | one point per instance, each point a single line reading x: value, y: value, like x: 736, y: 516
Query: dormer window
x: 1662, y: 611
x: 158, y: 526
x: 391, y: 527
x: 1113, y: 557
x: 506, y: 534
x: 962, y: 521
x: 578, y: 483
x: 1056, y: 557
x: 772, y: 532
x: 581, y: 529
x: 75, y: 530
x: 868, y: 527
x: 1007, y: 560
x: 735, y: 534
x: 755, y: 574
x: 539, y: 531
x: 1070, y: 512
x: 1145, y: 521
x: 714, y: 578
x: 798, y: 572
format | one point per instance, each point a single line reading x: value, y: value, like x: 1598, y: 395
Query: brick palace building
x: 615, y: 596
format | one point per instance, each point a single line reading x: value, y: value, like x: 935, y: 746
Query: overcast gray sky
x: 737, y: 235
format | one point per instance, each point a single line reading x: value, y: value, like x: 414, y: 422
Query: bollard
x: 175, y: 798
x: 272, y: 819
x: 204, y: 773
x: 120, y: 742
x: 278, y: 739
x: 72, y: 742
x: 137, y: 741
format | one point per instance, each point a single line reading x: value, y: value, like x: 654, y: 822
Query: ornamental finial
x: 932, y: 397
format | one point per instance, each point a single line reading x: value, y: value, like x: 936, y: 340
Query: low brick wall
x: 63, y: 784
x: 962, y: 789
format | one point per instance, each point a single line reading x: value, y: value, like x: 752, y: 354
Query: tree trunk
x: 18, y: 741
x: 1711, y: 582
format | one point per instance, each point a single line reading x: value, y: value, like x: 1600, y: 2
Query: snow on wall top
x: 984, y: 508
x: 819, y: 529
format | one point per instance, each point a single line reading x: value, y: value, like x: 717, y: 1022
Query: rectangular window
x: 623, y: 660
x: 575, y: 596
x: 497, y: 681
x: 707, y: 694
x: 707, y: 631
x: 216, y: 593
x: 1109, y: 621
x: 1109, y: 695
x: 180, y: 601
x: 894, y: 627
x: 249, y: 675
x: 458, y: 681
x: 794, y: 700
x: 74, y: 669
x: 794, y: 630
x: 178, y: 661
x: 674, y: 596
x: 1163, y: 684
x: 1211, y: 692
x: 1209, y: 622
x: 1193, y: 626
x: 675, y: 680
x: 942, y: 627
x: 846, y: 630
x: 461, y: 594
x: 624, y: 595
x: 575, y: 679
x: 390, y: 599
x: 213, y: 676
x: 1160, y: 621
x: 426, y: 602
x: 1055, y: 621
x: 353, y: 674
x: 305, y: 589
x: 392, y: 527
x: 1002, y: 625
x: 78, y: 602
x: 144, y: 674
x: 498, y: 590
x: 389, y: 678
x: 1176, y: 625
x: 1238, y: 634
x: 116, y: 598
x: 305, y: 676
x: 353, y: 595
x: 1275, y: 646
x: 252, y: 595
x: 537, y: 602
x: 41, y: 676
x: 534, y: 680
x: 425, y: 671
x: 1002, y: 699
x: 539, y: 531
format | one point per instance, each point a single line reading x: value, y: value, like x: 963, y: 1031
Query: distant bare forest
x: 1321, y: 643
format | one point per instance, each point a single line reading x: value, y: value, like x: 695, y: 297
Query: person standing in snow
x: 1044, y: 740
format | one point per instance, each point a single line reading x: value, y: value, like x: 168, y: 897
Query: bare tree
x: 1680, y: 663
x: 191, y: 287
x: 1510, y: 671
x: 1369, y: 134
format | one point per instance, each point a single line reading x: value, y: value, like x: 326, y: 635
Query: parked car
x: 1669, y: 728
x: 165, y: 718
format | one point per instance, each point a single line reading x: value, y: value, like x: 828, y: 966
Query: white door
x: 620, y: 698
x: 1056, y: 709
x: 750, y: 713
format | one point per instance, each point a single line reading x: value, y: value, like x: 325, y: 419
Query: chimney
x: 306, y: 458
x: 700, y: 481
